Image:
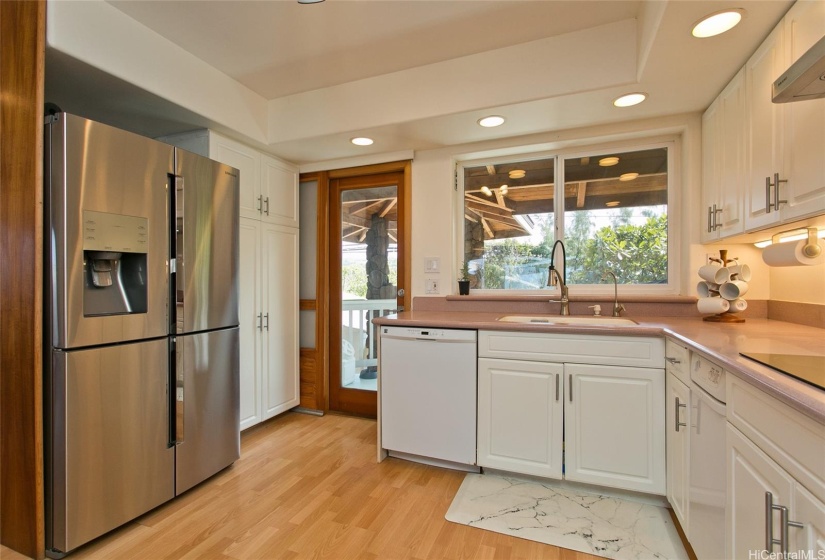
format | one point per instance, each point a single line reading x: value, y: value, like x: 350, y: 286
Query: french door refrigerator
x: 141, y: 311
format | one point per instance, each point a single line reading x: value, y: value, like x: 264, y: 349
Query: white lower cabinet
x: 596, y: 423
x: 678, y: 415
x: 520, y: 416
x: 774, y: 449
x: 614, y: 426
x: 268, y: 314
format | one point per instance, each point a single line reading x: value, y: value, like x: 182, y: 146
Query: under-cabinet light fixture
x: 717, y: 23
x: 630, y: 99
x: 778, y: 238
x: 491, y: 121
x: 362, y: 141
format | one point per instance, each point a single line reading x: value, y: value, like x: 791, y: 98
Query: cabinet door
x: 750, y: 475
x: 520, y: 416
x: 280, y: 376
x: 248, y: 162
x: 677, y: 422
x: 765, y: 130
x: 248, y: 309
x: 808, y: 541
x: 732, y: 188
x: 804, y: 121
x: 711, y: 169
x: 279, y: 192
x: 614, y: 427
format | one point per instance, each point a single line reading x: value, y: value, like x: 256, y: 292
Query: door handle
x: 784, y: 525
x: 678, y: 406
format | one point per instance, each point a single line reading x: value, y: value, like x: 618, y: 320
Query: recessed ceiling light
x: 491, y: 121
x: 486, y: 190
x: 612, y: 203
x: 517, y: 174
x: 717, y: 23
x: 362, y: 141
x: 608, y: 161
x: 629, y: 99
x: 628, y: 176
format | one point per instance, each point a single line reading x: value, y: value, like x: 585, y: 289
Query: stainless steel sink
x: 568, y: 320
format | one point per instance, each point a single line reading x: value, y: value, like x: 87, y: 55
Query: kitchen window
x: 609, y: 207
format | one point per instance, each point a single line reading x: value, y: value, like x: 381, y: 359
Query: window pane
x: 616, y: 217
x: 508, y: 224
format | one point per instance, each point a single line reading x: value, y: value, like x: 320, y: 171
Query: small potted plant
x: 464, y: 279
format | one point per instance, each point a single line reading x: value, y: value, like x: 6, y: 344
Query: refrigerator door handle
x: 176, y: 241
x: 178, y: 400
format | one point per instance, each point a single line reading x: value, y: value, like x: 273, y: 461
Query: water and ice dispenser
x: 115, y: 247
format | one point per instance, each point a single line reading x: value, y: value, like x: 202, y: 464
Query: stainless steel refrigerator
x: 141, y: 312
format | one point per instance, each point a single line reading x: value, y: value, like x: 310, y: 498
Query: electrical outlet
x: 431, y: 286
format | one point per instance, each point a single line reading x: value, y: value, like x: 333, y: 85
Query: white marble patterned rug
x: 569, y: 518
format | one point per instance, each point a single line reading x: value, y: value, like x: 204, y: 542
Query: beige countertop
x: 722, y: 343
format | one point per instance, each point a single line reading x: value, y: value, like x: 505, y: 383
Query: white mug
x: 705, y: 289
x: 733, y: 290
x: 740, y: 272
x: 712, y: 305
x: 714, y: 273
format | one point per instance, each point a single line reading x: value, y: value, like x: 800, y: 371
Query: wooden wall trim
x: 22, y: 40
x: 322, y: 295
x: 307, y: 305
x: 361, y: 170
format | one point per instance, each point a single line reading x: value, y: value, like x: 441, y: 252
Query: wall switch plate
x: 431, y: 286
x: 432, y: 264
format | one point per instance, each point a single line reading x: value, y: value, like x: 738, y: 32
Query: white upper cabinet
x: 279, y: 192
x: 723, y: 151
x: 804, y: 121
x: 776, y: 174
x: 248, y: 162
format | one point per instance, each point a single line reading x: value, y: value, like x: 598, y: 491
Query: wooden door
x: 368, y: 276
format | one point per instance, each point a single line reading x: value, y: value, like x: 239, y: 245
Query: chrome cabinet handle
x: 710, y: 220
x: 678, y: 406
x: 776, y: 200
x: 260, y: 322
x: 260, y: 203
x: 266, y: 325
x: 784, y: 525
x: 570, y: 381
x: 673, y: 360
x: 557, y: 387
x: 716, y: 224
x: 266, y: 201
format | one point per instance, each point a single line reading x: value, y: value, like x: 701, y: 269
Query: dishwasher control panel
x: 426, y: 333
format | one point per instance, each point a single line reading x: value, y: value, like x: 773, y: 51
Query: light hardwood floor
x: 309, y: 487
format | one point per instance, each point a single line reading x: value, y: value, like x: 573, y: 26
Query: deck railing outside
x: 358, y: 330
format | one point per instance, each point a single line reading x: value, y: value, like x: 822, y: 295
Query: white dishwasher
x: 428, y: 395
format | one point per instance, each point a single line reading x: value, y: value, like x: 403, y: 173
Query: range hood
x: 805, y: 79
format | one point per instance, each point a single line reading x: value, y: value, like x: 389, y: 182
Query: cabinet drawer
x: 790, y: 438
x: 573, y: 348
x: 678, y: 358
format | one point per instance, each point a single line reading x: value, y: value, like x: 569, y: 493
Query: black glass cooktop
x: 810, y: 369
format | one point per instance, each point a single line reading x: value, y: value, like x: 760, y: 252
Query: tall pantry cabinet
x: 269, y: 368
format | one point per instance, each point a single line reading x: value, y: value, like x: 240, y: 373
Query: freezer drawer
x: 208, y: 396
x: 107, y: 439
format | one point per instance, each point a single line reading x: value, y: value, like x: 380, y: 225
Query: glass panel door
x: 364, y: 284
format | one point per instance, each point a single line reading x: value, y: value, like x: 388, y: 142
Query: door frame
x: 315, y: 380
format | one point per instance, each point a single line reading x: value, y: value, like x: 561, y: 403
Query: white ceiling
x: 279, y: 48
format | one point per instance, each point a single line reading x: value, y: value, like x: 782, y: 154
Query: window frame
x: 525, y: 153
